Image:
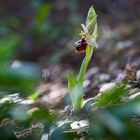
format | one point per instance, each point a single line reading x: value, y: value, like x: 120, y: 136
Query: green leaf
x: 91, y: 20
x: 111, y: 97
x: 76, y: 92
x: 114, y: 124
x: 127, y: 109
x: 95, y: 33
x: 22, y: 78
x: 91, y: 15
x: 34, y: 96
x: 42, y: 14
x: 8, y: 45
x: 91, y: 26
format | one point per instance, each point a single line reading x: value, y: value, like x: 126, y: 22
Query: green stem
x: 89, y: 52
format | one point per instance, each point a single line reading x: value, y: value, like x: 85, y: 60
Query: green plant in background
x: 15, y: 75
x: 88, y: 43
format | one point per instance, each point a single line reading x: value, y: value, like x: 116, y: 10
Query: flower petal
x: 93, y: 44
x: 84, y: 28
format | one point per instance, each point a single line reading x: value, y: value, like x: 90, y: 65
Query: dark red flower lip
x: 80, y: 46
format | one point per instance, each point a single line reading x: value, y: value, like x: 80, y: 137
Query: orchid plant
x: 88, y: 43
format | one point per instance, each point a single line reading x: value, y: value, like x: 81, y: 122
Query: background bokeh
x: 44, y: 31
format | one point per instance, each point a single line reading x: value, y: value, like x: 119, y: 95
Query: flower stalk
x: 87, y: 43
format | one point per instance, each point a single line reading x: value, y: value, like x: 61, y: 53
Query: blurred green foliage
x: 39, y: 26
x: 7, y: 47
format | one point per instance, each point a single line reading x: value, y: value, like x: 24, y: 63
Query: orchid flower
x: 89, y: 38
x: 86, y: 44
